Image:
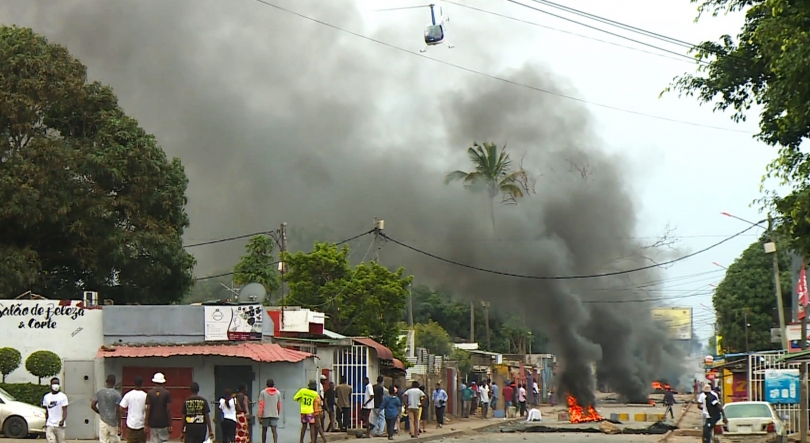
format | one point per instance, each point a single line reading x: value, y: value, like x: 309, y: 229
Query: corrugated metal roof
x: 260, y: 352
x: 383, y: 353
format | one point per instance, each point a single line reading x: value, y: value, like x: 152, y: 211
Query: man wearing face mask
x: 55, y: 404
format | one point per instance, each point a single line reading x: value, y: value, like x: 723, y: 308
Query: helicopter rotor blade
x: 401, y: 8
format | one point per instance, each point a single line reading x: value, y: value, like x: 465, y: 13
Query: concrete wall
x: 288, y: 377
x: 34, y: 325
x: 160, y: 324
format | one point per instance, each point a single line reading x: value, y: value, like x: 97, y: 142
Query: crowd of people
x: 146, y: 415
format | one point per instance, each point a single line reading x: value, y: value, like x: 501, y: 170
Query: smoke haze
x: 280, y: 119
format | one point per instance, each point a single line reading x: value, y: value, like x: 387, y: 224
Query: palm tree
x: 492, y: 173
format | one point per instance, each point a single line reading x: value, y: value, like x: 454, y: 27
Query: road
x: 556, y: 438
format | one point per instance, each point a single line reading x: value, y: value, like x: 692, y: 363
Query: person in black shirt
x: 669, y: 401
x: 196, y: 417
x: 715, y: 411
x: 379, y: 414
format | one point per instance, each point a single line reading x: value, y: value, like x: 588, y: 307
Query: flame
x: 578, y: 414
x: 657, y: 386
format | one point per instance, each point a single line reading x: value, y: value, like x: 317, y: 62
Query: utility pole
x: 485, y: 305
x: 410, y: 307
x: 472, y: 322
x: 281, y: 265
x: 745, y: 326
x: 770, y: 247
x: 379, y: 225
x: 803, y: 376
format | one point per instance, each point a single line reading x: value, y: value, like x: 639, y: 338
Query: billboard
x: 794, y: 337
x: 678, y: 322
x: 233, y: 323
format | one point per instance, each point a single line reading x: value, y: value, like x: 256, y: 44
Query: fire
x: 657, y: 386
x: 578, y: 414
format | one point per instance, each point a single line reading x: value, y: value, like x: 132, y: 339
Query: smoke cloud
x: 278, y: 119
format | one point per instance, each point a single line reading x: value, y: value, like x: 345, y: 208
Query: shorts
x: 136, y: 435
x: 364, y: 416
x: 307, y: 418
x: 268, y: 422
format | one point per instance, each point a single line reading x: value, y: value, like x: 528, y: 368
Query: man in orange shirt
x: 318, y: 424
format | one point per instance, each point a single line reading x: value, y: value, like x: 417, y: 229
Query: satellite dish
x: 252, y: 293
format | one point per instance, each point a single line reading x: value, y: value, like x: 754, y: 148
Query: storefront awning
x: 260, y: 352
x: 398, y: 364
x: 383, y: 353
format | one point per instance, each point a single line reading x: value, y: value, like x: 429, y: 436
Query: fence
x: 757, y: 364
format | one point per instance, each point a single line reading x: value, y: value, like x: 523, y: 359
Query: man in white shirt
x: 134, y: 406
x: 483, y: 398
x: 413, y: 400
x: 368, y: 405
x: 55, y: 404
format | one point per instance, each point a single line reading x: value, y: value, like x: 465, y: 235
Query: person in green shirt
x: 466, y: 399
x: 306, y: 398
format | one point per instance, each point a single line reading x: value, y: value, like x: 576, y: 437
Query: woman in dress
x: 227, y: 404
x: 242, y: 414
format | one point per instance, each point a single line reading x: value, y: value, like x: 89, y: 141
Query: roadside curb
x: 433, y: 437
x: 667, y: 436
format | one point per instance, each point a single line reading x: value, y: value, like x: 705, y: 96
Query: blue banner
x: 782, y: 386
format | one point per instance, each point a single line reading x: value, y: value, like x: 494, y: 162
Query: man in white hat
x: 158, y: 412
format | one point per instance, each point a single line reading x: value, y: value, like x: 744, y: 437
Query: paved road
x: 556, y: 438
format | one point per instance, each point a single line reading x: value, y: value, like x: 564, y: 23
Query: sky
x: 681, y: 175
x: 684, y: 176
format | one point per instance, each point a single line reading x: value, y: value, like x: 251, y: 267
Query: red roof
x: 260, y: 352
x: 383, y: 353
x: 398, y: 364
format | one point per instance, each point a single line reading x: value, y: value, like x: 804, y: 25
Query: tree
x: 258, y: 265
x: 433, y: 337
x: 492, y: 173
x: 209, y: 289
x: 10, y: 360
x: 90, y: 200
x: 365, y: 301
x: 747, y: 292
x: 43, y: 364
x: 463, y: 359
x: 766, y: 65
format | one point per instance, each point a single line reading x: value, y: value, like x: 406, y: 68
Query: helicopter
x: 436, y: 32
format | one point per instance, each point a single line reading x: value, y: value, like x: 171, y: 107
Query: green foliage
x: 210, y: 289
x: 43, y: 364
x: 747, y: 290
x: 462, y: 357
x: 90, y: 200
x: 26, y: 392
x: 492, y: 173
x: 365, y: 301
x: 433, y: 337
x: 10, y: 360
x: 258, y: 265
x: 508, y: 335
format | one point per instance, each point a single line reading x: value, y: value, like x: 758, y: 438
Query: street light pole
x: 770, y: 248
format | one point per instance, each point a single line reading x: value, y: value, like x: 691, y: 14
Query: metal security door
x: 757, y: 364
x: 352, y: 362
x: 80, y: 386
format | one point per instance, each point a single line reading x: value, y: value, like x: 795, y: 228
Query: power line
x: 615, y: 23
x: 642, y: 300
x: 565, y: 277
x: 683, y: 58
x: 208, y: 277
x: 495, y: 77
x: 596, y: 28
x: 226, y: 239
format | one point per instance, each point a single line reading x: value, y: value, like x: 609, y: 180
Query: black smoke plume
x: 280, y: 119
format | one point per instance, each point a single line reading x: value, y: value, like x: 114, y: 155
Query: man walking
x: 368, y: 405
x: 712, y: 410
x: 379, y: 413
x: 196, y: 417
x: 55, y: 404
x: 158, y: 413
x: 134, y: 406
x: 329, y: 406
x: 306, y: 398
x: 466, y: 399
x: 669, y: 402
x: 269, y: 410
x: 105, y: 404
x: 343, y: 394
x: 439, y: 402
x: 483, y: 397
x: 413, y: 400
x: 508, y: 393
